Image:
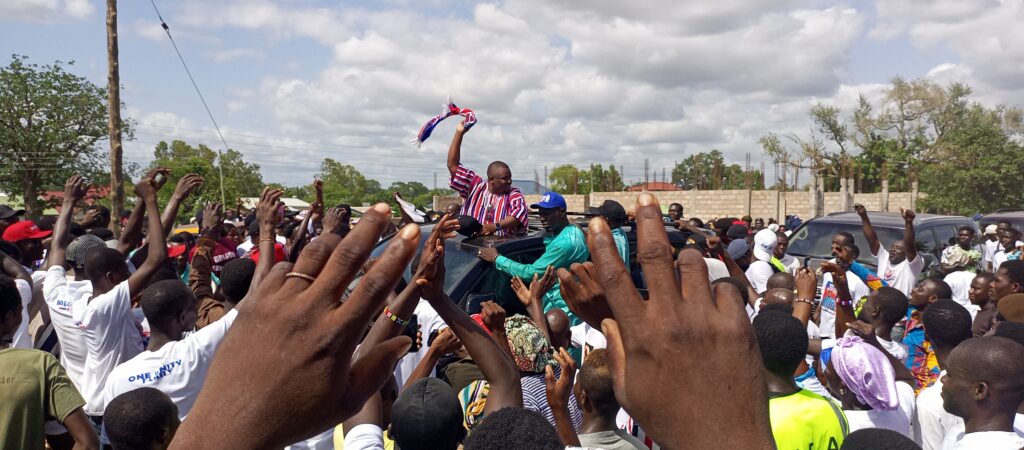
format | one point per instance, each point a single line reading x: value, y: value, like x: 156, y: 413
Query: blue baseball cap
x: 550, y: 200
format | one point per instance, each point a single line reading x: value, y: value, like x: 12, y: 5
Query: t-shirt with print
x: 902, y: 276
x: 62, y: 296
x: 829, y: 295
x: 112, y: 336
x: 177, y: 369
x: 933, y: 421
x: 805, y: 420
x: 900, y: 419
x: 22, y: 339
x: 34, y: 389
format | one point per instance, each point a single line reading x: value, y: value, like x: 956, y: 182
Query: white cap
x: 991, y: 229
x: 773, y: 227
x: 764, y: 244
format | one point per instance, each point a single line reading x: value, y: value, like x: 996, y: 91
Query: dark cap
x: 469, y: 226
x: 427, y: 414
x: 6, y: 212
x: 611, y: 210
x: 737, y: 232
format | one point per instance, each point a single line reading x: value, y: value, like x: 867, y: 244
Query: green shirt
x: 34, y: 389
x: 560, y: 251
x: 807, y: 421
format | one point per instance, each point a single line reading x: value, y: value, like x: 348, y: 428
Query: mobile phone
x: 410, y: 330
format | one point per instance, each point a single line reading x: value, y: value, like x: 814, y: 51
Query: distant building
x: 653, y: 186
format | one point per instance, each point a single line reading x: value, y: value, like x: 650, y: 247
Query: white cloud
x: 234, y: 54
x: 45, y: 10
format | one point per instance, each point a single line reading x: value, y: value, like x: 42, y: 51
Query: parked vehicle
x: 1014, y: 217
x: 468, y: 279
x: 813, y: 240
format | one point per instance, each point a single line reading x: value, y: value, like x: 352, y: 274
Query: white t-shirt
x: 902, y: 276
x: 716, y: 269
x: 932, y: 419
x: 989, y: 249
x: 960, y: 283
x: 900, y: 420
x: 957, y: 439
x: 858, y: 290
x: 112, y: 336
x: 896, y: 349
x: 429, y: 322
x: 791, y: 262
x: 177, y: 369
x: 62, y: 296
x: 587, y: 338
x: 984, y: 440
x: 22, y: 339
x: 366, y: 436
x: 758, y: 274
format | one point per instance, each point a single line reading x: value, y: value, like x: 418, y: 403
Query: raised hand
x: 186, y: 185
x: 213, y: 216
x: 334, y: 220
x: 266, y: 210
x: 522, y: 292
x: 583, y: 294
x: 445, y: 342
x: 158, y: 177
x: 432, y: 259
x: 860, y: 209
x: 678, y: 354
x: 294, y: 342
x: 146, y: 187
x: 558, y: 390
x: 908, y: 215
x: 493, y: 316
x: 806, y: 283
x: 74, y: 189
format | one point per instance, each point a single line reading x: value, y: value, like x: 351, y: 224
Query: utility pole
x: 435, y: 180
x: 114, y: 115
x: 647, y: 174
x: 546, y: 177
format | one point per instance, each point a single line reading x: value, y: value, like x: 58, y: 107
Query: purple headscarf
x: 866, y: 371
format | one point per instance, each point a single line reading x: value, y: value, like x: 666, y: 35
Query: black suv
x: 469, y: 279
x: 813, y: 240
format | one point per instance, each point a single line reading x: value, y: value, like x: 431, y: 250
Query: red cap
x: 479, y: 319
x: 25, y: 229
x: 175, y: 250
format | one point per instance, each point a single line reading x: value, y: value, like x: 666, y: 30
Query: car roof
x: 886, y: 219
x: 1003, y: 215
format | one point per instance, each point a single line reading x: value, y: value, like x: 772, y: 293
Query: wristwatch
x: 497, y: 226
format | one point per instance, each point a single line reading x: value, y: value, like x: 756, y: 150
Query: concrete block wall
x: 737, y: 203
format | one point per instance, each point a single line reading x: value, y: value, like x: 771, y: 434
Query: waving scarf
x: 448, y: 109
x: 866, y: 372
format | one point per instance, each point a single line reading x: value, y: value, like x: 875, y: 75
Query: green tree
x: 565, y: 179
x: 977, y: 166
x: 51, y: 122
x: 343, y: 183
x: 241, y: 179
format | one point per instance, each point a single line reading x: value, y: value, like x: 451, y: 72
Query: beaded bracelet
x: 806, y: 300
x: 394, y: 318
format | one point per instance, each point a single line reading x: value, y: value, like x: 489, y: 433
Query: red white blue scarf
x: 449, y: 109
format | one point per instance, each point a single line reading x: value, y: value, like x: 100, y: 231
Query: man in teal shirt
x: 564, y: 244
x: 615, y: 215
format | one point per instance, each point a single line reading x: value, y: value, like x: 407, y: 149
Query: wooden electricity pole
x: 114, y: 111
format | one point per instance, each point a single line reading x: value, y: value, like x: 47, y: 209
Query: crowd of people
x: 252, y: 334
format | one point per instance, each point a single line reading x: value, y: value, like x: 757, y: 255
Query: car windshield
x: 814, y: 239
x: 457, y: 262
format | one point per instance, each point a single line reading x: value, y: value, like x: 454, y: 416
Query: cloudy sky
x: 553, y: 81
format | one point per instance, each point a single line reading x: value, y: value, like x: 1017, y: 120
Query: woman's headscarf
x: 530, y: 348
x: 866, y: 371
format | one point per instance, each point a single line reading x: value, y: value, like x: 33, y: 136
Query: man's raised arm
x: 869, y: 231
x: 455, y: 150
x: 909, y: 244
x: 74, y: 191
x: 157, y: 253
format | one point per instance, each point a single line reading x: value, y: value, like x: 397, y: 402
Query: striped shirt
x: 484, y: 206
x: 535, y: 398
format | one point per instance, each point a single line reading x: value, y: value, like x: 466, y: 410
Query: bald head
x: 985, y: 377
x: 779, y: 296
x: 782, y: 280
x: 558, y: 325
